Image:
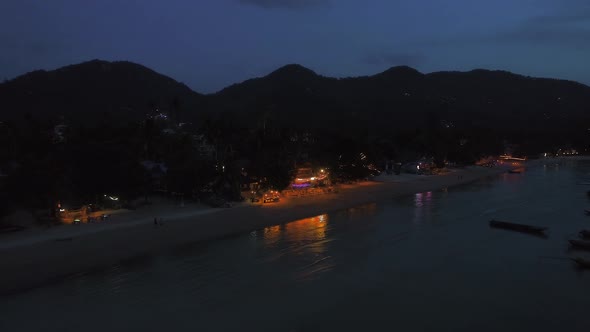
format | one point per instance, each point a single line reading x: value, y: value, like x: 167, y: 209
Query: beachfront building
x: 309, y: 182
x: 69, y: 215
x: 305, y: 177
x: 422, y: 166
x: 567, y: 152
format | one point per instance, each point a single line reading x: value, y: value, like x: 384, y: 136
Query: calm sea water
x: 428, y: 262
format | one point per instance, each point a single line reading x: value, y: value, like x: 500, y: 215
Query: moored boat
x: 513, y: 171
x: 583, y: 263
x: 580, y: 244
x: 584, y: 234
x: 517, y: 227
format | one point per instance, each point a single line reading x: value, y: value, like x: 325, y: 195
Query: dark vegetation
x: 78, y: 133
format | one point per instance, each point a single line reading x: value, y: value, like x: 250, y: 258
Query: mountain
x: 94, y: 90
x: 402, y: 97
x: 294, y: 96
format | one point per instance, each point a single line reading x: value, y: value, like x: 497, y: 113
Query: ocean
x: 425, y: 262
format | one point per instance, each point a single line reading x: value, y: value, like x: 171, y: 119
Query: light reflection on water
x: 304, y: 239
x: 430, y: 255
x: 423, y: 204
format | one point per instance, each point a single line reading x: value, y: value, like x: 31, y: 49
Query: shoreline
x: 28, y: 265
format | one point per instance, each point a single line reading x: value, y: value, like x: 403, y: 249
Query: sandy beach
x: 32, y: 258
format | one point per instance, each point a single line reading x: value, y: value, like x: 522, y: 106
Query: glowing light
x: 301, y: 185
x: 508, y: 157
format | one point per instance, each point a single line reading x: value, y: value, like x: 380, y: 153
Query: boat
x: 584, y: 234
x: 587, y: 211
x: 580, y: 244
x: 517, y: 227
x: 582, y: 263
x: 513, y: 171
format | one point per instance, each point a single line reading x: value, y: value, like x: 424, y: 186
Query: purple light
x: 302, y: 185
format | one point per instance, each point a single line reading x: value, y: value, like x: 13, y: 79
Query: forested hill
x: 92, y: 91
x: 401, y: 96
x: 294, y: 96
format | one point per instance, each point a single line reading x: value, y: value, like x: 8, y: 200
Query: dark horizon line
x: 390, y: 69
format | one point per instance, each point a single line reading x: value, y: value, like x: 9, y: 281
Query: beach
x: 30, y: 260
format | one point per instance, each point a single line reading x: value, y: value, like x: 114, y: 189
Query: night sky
x: 209, y: 44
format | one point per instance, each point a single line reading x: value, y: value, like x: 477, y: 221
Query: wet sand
x: 29, y: 263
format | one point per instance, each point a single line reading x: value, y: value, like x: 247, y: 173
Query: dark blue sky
x: 209, y: 44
